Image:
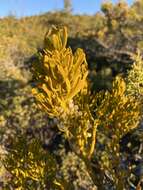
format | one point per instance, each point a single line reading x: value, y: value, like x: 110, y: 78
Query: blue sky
x: 32, y: 7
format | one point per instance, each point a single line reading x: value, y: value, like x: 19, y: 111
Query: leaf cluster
x: 29, y: 165
x: 60, y: 75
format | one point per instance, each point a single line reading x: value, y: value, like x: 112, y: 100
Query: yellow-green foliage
x: 117, y: 114
x: 61, y: 90
x: 29, y: 165
x: 135, y: 77
x: 79, y: 126
x: 116, y: 110
x: 60, y: 75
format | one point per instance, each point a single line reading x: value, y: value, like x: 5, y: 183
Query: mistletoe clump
x: 59, y: 73
x: 61, y: 89
x: 29, y: 166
